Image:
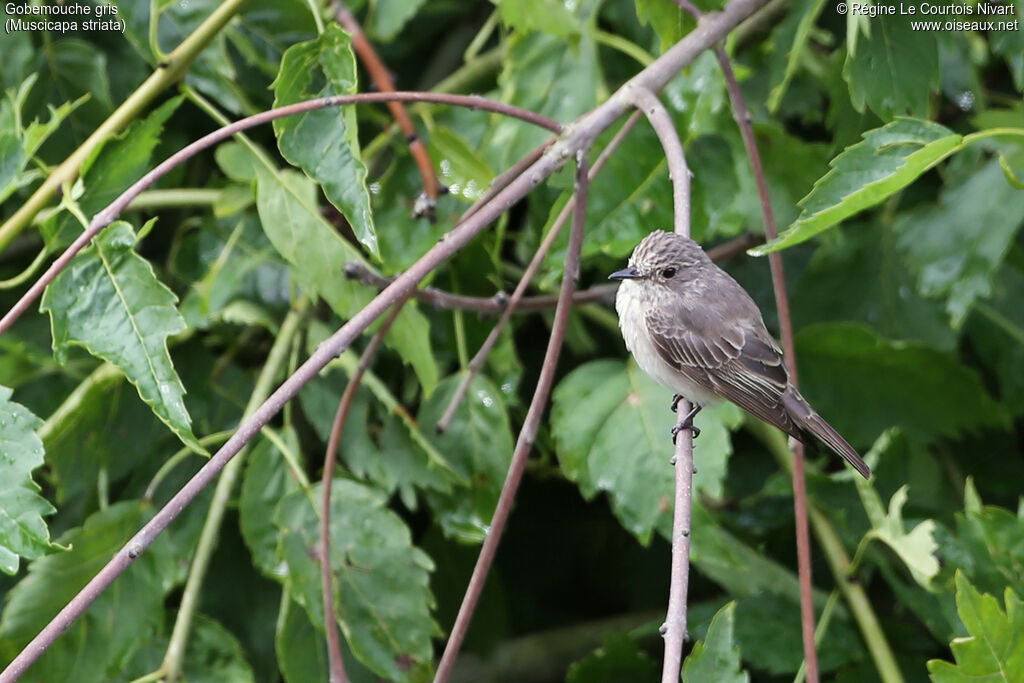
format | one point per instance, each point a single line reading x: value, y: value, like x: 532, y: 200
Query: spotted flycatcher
x: 694, y: 329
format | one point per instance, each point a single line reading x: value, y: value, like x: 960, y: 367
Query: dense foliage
x: 893, y: 158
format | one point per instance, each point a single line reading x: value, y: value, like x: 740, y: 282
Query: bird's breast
x: 631, y: 303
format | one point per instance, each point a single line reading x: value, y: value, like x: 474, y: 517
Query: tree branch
x: 741, y: 113
x: 579, y: 136
x: 529, y: 431
x: 674, y: 628
x: 477, y: 363
x: 494, y: 305
x: 108, y: 214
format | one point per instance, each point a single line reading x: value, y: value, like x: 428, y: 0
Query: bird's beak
x: 626, y: 274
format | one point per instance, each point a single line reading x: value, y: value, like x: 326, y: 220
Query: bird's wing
x: 728, y: 352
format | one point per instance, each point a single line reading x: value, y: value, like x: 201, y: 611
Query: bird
x: 692, y: 328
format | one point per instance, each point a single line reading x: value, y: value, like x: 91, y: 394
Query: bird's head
x: 663, y: 258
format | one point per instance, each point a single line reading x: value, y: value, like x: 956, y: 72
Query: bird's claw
x: 686, y: 423
x: 675, y: 402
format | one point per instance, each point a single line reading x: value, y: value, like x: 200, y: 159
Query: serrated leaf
x: 381, y: 581
x: 325, y: 142
x: 956, y: 246
x: 478, y: 444
x: 23, y: 532
x: 110, y: 302
x: 988, y: 545
x: 894, y: 69
x: 318, y: 255
x: 917, y: 547
x: 994, y: 649
x: 611, y: 427
x: 864, y: 384
x: 111, y: 168
x: 118, y: 623
x: 863, y: 175
x: 717, y: 658
x: 213, y: 654
x: 389, y: 17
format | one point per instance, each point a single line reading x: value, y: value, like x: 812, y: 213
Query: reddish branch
x: 107, y: 215
x: 336, y: 665
x: 477, y: 363
x: 499, y: 303
x: 381, y: 77
x: 529, y: 431
x: 674, y: 629
x: 580, y: 136
x: 803, y: 540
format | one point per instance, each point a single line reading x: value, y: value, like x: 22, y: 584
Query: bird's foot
x: 675, y: 402
x: 687, y: 423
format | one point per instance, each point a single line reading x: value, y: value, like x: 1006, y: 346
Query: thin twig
x: 741, y: 113
x: 497, y: 304
x: 381, y: 77
x: 674, y: 629
x: 581, y: 135
x: 107, y: 215
x: 337, y: 667
x: 529, y: 431
x: 477, y: 363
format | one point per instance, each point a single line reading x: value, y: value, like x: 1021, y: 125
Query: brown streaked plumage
x: 694, y: 329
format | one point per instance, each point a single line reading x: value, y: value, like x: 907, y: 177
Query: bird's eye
x: 668, y: 272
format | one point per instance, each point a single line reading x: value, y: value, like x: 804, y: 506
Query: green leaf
x: 667, y: 19
x: 466, y: 173
x: 301, y: 652
x: 893, y: 69
x: 213, y: 654
x: 478, y: 444
x: 381, y: 581
x: 23, y: 532
x: 619, y: 659
x: 611, y: 427
x: 109, y: 301
x: 318, y: 255
x: 917, y: 547
x: 18, y: 146
x: 389, y: 17
x: 864, y: 384
x: 325, y: 142
x: 994, y: 648
x: 121, y: 620
x: 886, y: 161
x: 547, y: 75
x: 988, y: 546
x: 887, y: 300
x: 267, y: 480
x: 997, y: 331
x: 549, y: 16
x: 717, y: 658
x: 1009, y: 42
x: 791, y: 39
x: 110, y: 169
x: 956, y: 246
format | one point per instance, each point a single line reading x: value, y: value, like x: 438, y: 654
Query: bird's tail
x: 812, y: 424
